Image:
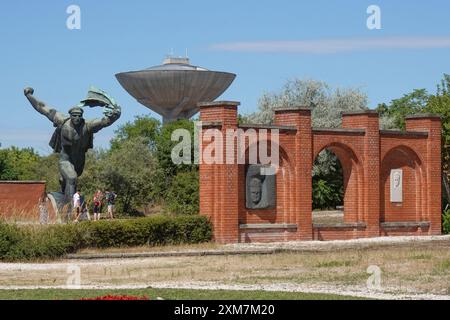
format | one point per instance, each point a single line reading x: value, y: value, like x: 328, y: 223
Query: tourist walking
x: 98, y: 203
x: 76, y: 201
x: 110, y: 200
x: 43, y: 208
x: 79, y: 206
x: 83, y: 213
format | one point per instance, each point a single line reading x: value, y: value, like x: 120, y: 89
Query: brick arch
x: 285, y: 183
x: 284, y: 161
x: 353, y: 172
x: 413, y: 207
x: 328, y: 143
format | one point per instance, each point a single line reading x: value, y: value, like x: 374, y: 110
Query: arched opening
x: 283, y: 211
x: 411, y: 206
x: 337, y: 186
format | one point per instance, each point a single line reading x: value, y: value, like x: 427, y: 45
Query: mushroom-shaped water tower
x: 174, y: 88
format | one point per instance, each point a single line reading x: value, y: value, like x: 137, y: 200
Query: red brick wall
x: 433, y: 183
x: 219, y: 182
x: 300, y: 152
x: 367, y: 155
x: 19, y: 200
x: 413, y: 206
x: 371, y: 166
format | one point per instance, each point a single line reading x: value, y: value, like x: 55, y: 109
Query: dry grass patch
x: 144, y: 249
x: 423, y: 269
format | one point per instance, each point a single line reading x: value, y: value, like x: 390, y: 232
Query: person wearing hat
x: 73, y: 135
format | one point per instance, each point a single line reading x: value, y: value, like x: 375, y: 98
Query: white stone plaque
x: 396, y: 185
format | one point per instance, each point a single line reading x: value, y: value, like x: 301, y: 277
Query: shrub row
x: 446, y: 222
x: 42, y: 242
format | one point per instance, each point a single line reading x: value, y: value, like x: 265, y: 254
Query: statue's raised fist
x: 28, y: 91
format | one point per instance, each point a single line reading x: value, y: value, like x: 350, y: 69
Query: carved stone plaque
x: 396, y: 185
x: 260, y: 189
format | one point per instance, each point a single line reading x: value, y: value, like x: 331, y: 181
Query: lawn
x: 167, y: 294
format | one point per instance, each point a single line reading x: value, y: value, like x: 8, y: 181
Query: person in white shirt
x: 77, y: 203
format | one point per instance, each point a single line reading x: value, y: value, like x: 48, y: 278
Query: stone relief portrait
x: 396, y: 185
x: 260, y: 189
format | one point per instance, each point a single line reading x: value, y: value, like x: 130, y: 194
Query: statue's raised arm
x: 112, y: 110
x: 54, y: 116
x: 112, y: 113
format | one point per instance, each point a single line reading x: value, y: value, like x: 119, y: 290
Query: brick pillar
x: 301, y: 158
x: 219, y: 182
x: 369, y: 120
x: 432, y: 124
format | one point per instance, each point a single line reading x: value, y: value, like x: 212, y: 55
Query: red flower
x: 111, y: 297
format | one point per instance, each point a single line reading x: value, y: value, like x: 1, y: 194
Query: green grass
x: 334, y: 264
x: 443, y: 266
x: 167, y: 294
x: 422, y: 256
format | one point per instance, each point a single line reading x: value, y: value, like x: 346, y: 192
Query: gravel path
x: 344, y: 244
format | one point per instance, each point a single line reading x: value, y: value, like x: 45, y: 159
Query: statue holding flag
x: 73, y: 135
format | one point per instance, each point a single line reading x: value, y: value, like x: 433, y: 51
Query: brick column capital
x: 424, y: 121
x: 203, y: 105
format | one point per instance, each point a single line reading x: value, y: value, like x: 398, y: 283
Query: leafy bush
x: 446, y: 222
x: 38, y: 242
x: 327, y: 181
x: 183, y: 194
x: 9, y: 237
x: 326, y: 194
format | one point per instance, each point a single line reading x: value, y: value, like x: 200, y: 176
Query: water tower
x: 174, y: 88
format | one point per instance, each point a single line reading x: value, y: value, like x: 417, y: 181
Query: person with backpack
x: 110, y: 200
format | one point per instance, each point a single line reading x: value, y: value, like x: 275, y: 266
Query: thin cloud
x: 325, y: 46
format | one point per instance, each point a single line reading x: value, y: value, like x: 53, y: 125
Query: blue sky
x: 264, y: 42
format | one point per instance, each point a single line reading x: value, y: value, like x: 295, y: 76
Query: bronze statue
x: 73, y: 135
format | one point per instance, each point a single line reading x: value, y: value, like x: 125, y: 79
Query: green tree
x: 144, y: 127
x: 47, y: 170
x: 324, y: 194
x: 128, y: 170
x: 18, y: 164
x: 6, y: 171
x: 398, y: 109
x: 157, y: 139
x: 440, y: 104
x: 327, y: 103
x: 168, y: 170
x: 164, y: 146
x: 183, y: 194
x: 327, y: 181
